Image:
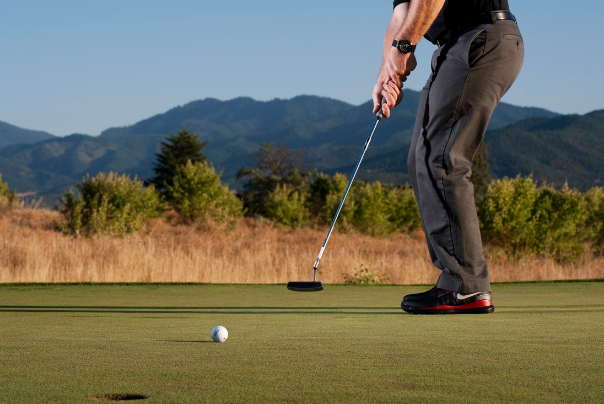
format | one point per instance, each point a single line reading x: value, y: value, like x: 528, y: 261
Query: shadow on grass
x: 272, y: 310
x: 571, y: 308
x: 201, y: 310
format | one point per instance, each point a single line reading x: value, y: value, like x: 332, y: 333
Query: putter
x: 315, y: 286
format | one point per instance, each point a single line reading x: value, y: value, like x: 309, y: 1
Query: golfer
x: 479, y: 55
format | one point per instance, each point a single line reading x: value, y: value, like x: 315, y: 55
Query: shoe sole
x: 480, y: 307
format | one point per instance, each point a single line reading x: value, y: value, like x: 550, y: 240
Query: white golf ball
x: 219, y: 334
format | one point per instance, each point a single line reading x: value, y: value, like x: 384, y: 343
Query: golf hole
x: 118, y: 397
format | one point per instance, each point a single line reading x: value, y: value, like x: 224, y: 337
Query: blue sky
x: 73, y: 66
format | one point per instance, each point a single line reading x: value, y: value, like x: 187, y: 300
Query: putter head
x: 305, y: 286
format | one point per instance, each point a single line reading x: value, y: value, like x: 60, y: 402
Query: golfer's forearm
x: 398, y: 17
x: 420, y: 16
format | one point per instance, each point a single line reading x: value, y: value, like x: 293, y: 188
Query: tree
x: 275, y: 166
x: 175, y: 152
x: 198, y: 196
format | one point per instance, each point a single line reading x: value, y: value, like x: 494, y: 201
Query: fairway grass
x: 346, y: 344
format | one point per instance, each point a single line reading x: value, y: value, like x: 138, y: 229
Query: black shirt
x: 457, y: 12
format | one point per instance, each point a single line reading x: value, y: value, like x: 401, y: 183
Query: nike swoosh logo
x: 463, y: 297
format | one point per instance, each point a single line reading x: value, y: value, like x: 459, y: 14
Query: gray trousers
x: 470, y: 74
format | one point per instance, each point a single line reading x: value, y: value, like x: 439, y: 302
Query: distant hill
x: 10, y: 134
x: 50, y: 167
x: 331, y: 132
x: 567, y: 148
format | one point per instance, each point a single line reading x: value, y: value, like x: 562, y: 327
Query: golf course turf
x: 346, y: 344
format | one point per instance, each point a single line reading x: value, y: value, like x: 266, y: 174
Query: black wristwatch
x: 404, y: 46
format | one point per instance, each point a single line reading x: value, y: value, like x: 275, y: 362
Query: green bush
x: 8, y: 197
x: 324, y: 197
x: 525, y: 219
x: 275, y: 165
x: 560, y: 224
x: 108, y: 204
x: 382, y: 210
x: 199, y: 197
x: 594, y: 199
x: 363, y: 276
x: 402, y: 210
x: 371, y: 210
x: 507, y: 215
x: 286, y: 206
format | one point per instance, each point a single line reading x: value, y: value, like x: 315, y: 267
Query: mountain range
x: 555, y: 148
x: 10, y: 134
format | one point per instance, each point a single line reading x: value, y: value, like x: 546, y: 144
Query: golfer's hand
x: 387, y: 92
x: 398, y: 66
x: 386, y: 95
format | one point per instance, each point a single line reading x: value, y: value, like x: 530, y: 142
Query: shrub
x: 363, y: 276
x: 71, y: 208
x: 285, y: 206
x: 370, y: 208
x: 594, y: 200
x: 8, y: 197
x: 524, y: 219
x: 370, y: 213
x: 402, y: 211
x: 383, y: 210
x: 560, y: 222
x: 108, y: 204
x: 275, y: 165
x: 198, y: 196
x: 325, y: 195
x: 507, y: 215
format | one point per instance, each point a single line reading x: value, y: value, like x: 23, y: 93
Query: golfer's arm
x: 419, y: 17
x: 398, y: 16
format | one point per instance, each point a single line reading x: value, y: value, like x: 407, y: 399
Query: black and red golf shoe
x: 442, y: 301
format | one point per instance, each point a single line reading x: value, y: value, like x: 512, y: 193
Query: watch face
x: 405, y: 46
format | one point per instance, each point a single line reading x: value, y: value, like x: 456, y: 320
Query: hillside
x: 568, y: 148
x: 50, y: 167
x: 331, y: 132
x: 10, y: 134
x: 565, y: 148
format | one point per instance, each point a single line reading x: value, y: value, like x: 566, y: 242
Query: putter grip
x: 380, y: 114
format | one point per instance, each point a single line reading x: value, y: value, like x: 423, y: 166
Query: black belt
x: 485, y: 18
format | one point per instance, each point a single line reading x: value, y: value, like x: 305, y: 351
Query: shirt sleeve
x: 397, y: 2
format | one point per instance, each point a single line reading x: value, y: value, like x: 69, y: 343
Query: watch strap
x: 396, y: 43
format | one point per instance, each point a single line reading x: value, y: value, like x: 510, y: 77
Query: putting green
x: 346, y: 344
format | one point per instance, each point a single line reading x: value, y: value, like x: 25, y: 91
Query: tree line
x: 516, y: 215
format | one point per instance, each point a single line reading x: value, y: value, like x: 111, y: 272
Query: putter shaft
x: 379, y: 116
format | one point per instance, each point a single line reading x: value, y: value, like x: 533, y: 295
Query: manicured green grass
x: 346, y: 344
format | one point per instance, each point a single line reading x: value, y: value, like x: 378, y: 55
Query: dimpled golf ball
x: 219, y: 334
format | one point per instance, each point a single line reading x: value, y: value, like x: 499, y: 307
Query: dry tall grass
x: 256, y: 252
